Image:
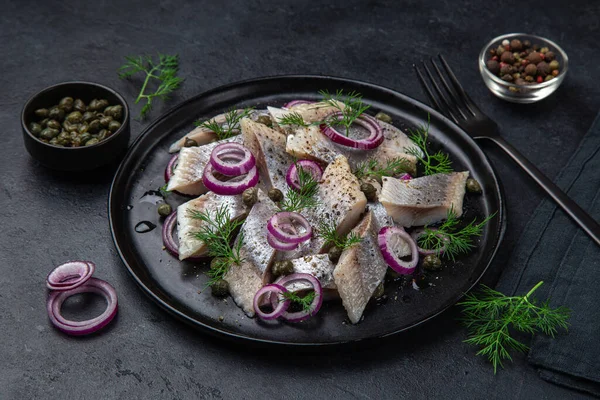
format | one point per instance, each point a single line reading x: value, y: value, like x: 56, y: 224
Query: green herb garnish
x: 456, y: 240
x: 327, y: 230
x: 165, y: 72
x: 437, y: 163
x: 230, y: 128
x: 163, y: 190
x: 292, y: 119
x: 217, y: 233
x: 489, y: 314
x: 372, y: 168
x: 304, y: 302
x: 299, y: 199
x: 353, y: 107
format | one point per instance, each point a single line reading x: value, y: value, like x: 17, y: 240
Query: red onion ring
x: 419, y: 232
x: 307, y: 165
x: 296, y: 102
x: 279, y: 307
x: 397, y: 264
x: 315, y: 305
x: 279, y: 245
x: 231, y: 187
x: 374, y: 139
x: 278, y: 222
x: 79, y: 328
x: 405, y: 177
x: 70, y: 275
x: 168, y: 239
x: 171, y: 167
x: 243, y: 160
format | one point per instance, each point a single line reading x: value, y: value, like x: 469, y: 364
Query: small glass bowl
x: 522, y: 93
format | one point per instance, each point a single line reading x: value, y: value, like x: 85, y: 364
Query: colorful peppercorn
x: 539, y: 79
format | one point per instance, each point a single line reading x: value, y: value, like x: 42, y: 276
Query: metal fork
x: 455, y: 103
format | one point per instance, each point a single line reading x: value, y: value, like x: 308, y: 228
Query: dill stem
x: 148, y: 76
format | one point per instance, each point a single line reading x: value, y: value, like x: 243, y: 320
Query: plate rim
x: 236, y: 336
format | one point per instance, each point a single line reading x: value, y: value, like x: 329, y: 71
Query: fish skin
x: 360, y: 269
x: 244, y: 281
x: 189, y: 246
x: 187, y: 176
x: 424, y: 200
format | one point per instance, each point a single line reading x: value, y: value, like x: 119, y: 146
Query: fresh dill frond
x: 437, y: 163
x: 450, y: 238
x: 218, y: 233
x: 163, y: 190
x: 299, y: 199
x: 391, y: 167
x: 353, y: 107
x: 165, y: 72
x: 304, y: 302
x: 292, y: 119
x: 231, y: 127
x: 489, y: 315
x: 327, y: 230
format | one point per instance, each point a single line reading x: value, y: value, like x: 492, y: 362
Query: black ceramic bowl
x: 75, y: 158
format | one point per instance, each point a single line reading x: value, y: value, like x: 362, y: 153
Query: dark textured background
x: 49, y: 217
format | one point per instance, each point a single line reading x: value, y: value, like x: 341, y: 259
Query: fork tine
x: 462, y: 94
x: 436, y: 104
x: 446, y: 108
x: 451, y: 92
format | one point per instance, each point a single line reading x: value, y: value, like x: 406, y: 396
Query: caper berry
x: 473, y: 186
x: 79, y: 105
x: 164, y: 210
x: 42, y: 112
x: 94, y: 126
x: 56, y: 113
x: 66, y: 103
x: 383, y: 117
x: 74, y: 117
x: 369, y: 191
x: 265, y: 120
x: 189, y: 142
x: 49, y: 133
x: 54, y: 124
x: 250, y: 196
x: 275, y: 194
x: 114, y: 126
x: 281, y: 268
x: 88, y: 116
x: 334, y: 254
x: 220, y: 288
x: 104, y: 121
x: 35, y: 128
x: 92, y: 142
x: 379, y: 291
x: 432, y: 262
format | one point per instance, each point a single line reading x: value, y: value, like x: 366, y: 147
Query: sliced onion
x: 279, y: 305
x: 171, y: 167
x: 168, y: 239
x: 232, y: 159
x: 79, y: 328
x: 419, y: 232
x: 309, y: 166
x: 405, y: 177
x: 279, y: 245
x: 374, y: 139
x: 296, y: 102
x: 70, y: 275
x: 390, y: 257
x: 315, y: 305
x: 231, y: 187
x: 279, y: 223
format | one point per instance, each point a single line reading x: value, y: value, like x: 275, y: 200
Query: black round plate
x: 178, y: 286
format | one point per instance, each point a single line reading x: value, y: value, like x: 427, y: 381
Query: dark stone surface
x: 52, y: 217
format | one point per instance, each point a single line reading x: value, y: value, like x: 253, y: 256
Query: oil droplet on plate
x: 129, y: 207
x: 144, y: 227
x: 152, y: 197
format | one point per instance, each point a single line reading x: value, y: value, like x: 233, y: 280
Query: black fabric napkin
x: 553, y: 249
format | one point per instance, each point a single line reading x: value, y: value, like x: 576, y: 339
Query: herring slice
x: 424, y: 200
x: 318, y: 266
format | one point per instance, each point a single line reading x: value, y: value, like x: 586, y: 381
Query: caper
x: 275, y: 195
x: 94, y: 126
x: 432, y: 262
x: 189, y: 142
x: 164, y: 210
x: 114, y: 126
x: 473, y: 186
x: 74, y: 117
x: 369, y: 191
x: 334, y: 254
x: 220, y: 288
x: 114, y: 111
x: 379, y: 291
x: 217, y: 263
x: 54, y: 124
x: 103, y: 134
x: 54, y: 141
x: 35, y: 128
x: 88, y: 116
x: 104, y: 121
x: 82, y: 128
x: 56, y: 113
x: 265, y: 120
x: 281, y: 268
x: 93, y: 106
x: 66, y: 103
x: 41, y: 112
x: 84, y: 137
x: 250, y: 196
x: 64, y: 135
x: 79, y: 105
x: 69, y: 127
x: 77, y: 142
x: 102, y: 104
x: 44, y: 122
x: 383, y: 117
x: 92, y: 142
x: 49, y: 133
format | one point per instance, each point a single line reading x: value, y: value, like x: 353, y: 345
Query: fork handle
x: 578, y: 214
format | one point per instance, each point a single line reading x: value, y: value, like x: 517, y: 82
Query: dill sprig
x: 163, y: 190
x: 304, y: 302
x: 230, y: 128
x: 327, y: 230
x: 455, y: 240
x: 292, y: 119
x: 165, y: 71
x: 489, y: 315
x: 217, y: 233
x: 391, y: 167
x: 299, y: 199
x: 353, y: 107
x: 437, y: 163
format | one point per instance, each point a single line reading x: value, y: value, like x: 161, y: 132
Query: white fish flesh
x: 360, y: 269
x: 424, y: 200
x: 310, y: 113
x: 187, y: 176
x: 318, y: 266
x: 189, y: 246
